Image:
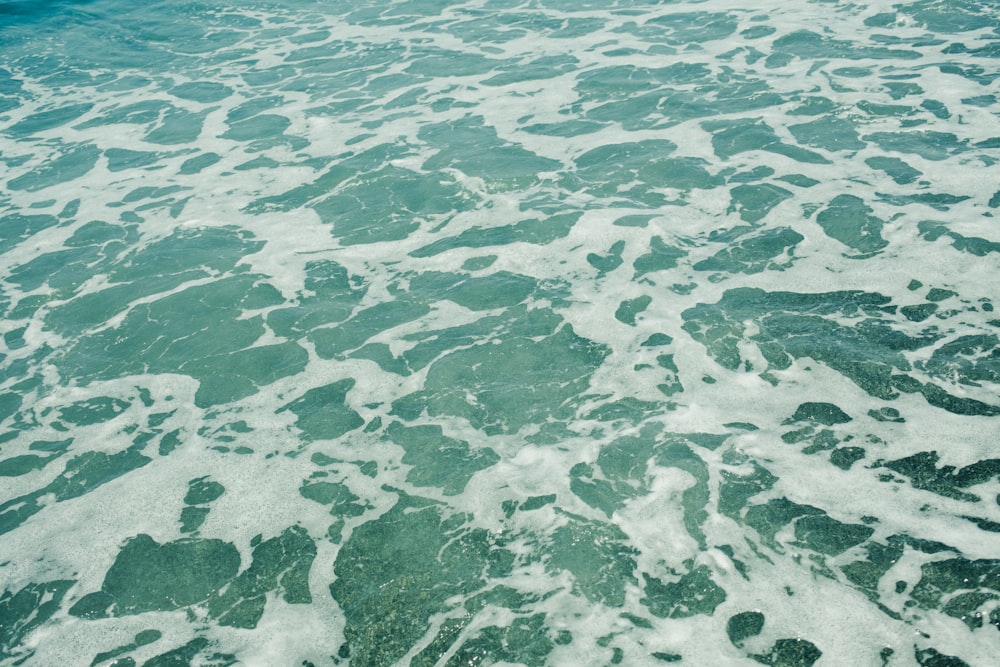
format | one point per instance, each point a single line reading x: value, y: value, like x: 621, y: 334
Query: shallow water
x: 538, y: 332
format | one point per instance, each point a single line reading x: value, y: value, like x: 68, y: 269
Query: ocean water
x: 499, y: 332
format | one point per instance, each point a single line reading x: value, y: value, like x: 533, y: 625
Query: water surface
x: 525, y: 332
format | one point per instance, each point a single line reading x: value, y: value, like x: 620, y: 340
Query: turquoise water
x: 514, y: 332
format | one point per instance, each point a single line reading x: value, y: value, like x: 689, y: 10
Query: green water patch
x: 23, y: 464
x: 744, y: 625
x: 433, y: 343
x: 72, y: 162
x: 813, y: 105
x: 865, y: 574
x: 523, y: 642
x: 919, y: 312
x: 693, y: 593
x: 121, y: 159
x: 613, y: 170
x: 485, y: 29
x: 201, y: 492
x: 939, y: 201
x: 500, y: 163
x: 809, y: 45
x: 898, y: 170
x: 758, y: 173
x: 629, y: 408
x: 931, y: 657
x: 279, y: 565
x: 43, y: 121
x: 828, y: 536
x: 343, y: 503
x: 973, y: 245
x: 479, y: 263
x: 148, y: 576
x: 536, y: 231
x: 831, y: 134
x: 322, y: 412
x: 199, y: 163
x: 731, y: 138
x: 396, y: 572
x: 388, y: 204
x: 142, y: 638
x: 608, y: 261
x: 144, y: 112
x: 885, y: 110
x: 923, y: 472
x: 25, y: 610
x: 599, y: 493
x: 657, y: 340
x: 65, y: 271
x: 680, y: 28
x: 177, y: 127
x: 436, y: 62
x: 961, y: 588
x: 940, y: 398
x: 682, y: 173
x: 598, y: 556
x: 155, y: 199
x: 619, y: 81
x: 814, y: 438
x: 331, y: 295
x: 93, y: 410
x: 206, y: 92
x: 771, y: 517
x: 973, y: 359
x: 331, y: 342
x: 827, y: 414
x: 928, y: 144
x: 672, y: 383
x: 161, y: 266
x: 644, y: 111
x: 660, y: 257
x: 757, y: 32
x: 849, y: 220
x: 82, y: 474
x: 937, y: 108
x: 886, y: 415
x: 760, y: 252
x: 745, y: 94
x: 197, y: 651
x: 502, y: 289
x: 546, y: 67
x: 754, y: 202
x: 845, y: 457
x: 954, y: 17
x: 790, y: 653
x: 622, y: 473
x: 438, y: 460
x: 200, y: 331
x: 629, y: 309
x: 260, y: 130
x: 504, y: 384
x: 900, y: 89
x: 322, y: 186
x: 98, y: 233
x: 17, y: 227
x: 937, y: 294
x: 569, y: 128
x: 796, y: 326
